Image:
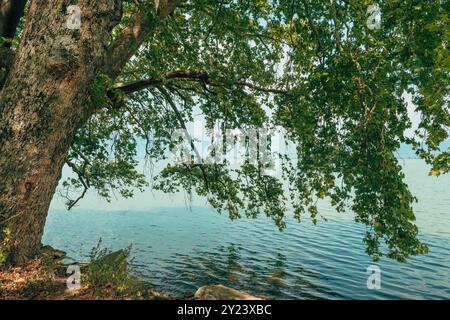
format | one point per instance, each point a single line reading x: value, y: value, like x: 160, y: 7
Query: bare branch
x: 72, y: 203
x: 132, y: 37
x: 148, y: 83
x: 126, y: 45
x: 198, y: 76
x: 258, y: 88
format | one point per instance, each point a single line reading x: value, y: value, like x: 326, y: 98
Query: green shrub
x: 108, y: 270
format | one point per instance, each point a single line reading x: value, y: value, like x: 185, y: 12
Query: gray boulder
x: 220, y: 292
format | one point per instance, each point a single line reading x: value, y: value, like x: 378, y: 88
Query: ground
x: 45, y: 279
x: 105, y: 277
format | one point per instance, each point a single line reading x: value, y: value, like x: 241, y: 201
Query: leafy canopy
x: 315, y: 68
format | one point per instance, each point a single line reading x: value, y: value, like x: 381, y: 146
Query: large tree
x: 82, y: 82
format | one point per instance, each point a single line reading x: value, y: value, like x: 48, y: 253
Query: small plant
x: 5, y: 245
x: 49, y: 264
x: 108, y: 273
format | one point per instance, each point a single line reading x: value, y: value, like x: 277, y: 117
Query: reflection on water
x: 180, y: 250
x: 231, y: 266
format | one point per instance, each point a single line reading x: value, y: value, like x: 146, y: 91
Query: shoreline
x: 105, y: 278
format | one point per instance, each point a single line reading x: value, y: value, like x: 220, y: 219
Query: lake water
x: 179, y: 249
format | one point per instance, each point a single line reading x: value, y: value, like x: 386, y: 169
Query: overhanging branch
x: 198, y: 76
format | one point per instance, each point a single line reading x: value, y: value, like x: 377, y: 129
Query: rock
x: 53, y: 253
x: 220, y: 292
x: 115, y: 259
x: 188, y: 295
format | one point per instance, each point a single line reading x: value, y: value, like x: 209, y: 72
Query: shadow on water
x: 231, y: 266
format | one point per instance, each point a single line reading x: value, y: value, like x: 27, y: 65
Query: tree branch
x: 311, y: 23
x: 138, y: 85
x: 132, y: 37
x: 337, y: 36
x: 72, y: 203
x: 165, y: 8
x: 126, y: 45
x: 199, y: 76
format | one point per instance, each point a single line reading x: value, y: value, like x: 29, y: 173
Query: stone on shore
x: 52, y: 253
x: 220, y: 292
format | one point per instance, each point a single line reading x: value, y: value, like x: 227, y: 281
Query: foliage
x: 339, y: 89
x: 5, y: 239
x: 107, y: 270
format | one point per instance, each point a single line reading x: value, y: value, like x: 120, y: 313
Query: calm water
x: 179, y: 250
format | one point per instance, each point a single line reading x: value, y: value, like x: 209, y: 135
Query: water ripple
x: 179, y: 252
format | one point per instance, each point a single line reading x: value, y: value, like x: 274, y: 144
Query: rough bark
x: 45, y: 99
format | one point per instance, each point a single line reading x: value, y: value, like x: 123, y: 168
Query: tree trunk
x: 45, y: 99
